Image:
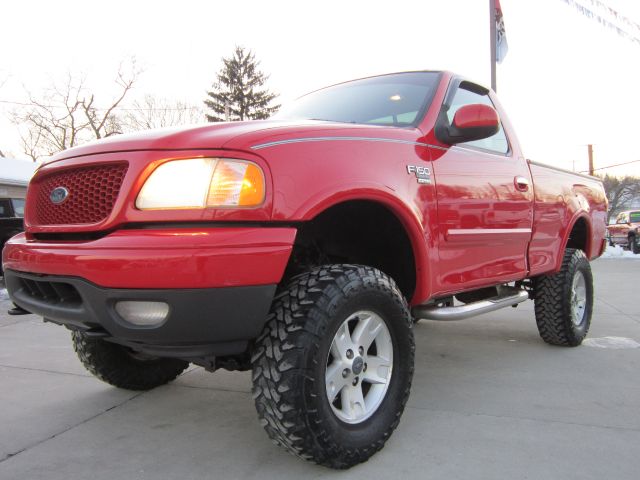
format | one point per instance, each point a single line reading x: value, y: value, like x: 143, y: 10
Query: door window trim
x: 443, y: 121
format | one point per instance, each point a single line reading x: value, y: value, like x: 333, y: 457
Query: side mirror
x: 473, y: 122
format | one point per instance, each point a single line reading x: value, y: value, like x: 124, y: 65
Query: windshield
x: 398, y: 100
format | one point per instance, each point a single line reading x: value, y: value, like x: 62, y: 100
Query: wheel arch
x: 395, y: 214
x: 578, y: 236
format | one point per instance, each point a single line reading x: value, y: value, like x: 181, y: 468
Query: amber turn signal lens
x: 252, y: 192
x: 236, y: 183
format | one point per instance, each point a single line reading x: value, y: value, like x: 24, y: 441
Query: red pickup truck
x: 304, y: 248
x: 625, y: 230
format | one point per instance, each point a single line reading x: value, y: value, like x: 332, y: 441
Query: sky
x: 565, y: 82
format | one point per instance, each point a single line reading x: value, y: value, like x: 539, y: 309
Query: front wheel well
x: 356, y: 232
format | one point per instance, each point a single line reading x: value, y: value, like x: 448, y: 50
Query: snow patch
x: 614, y: 343
x: 618, y: 252
x: 3, y: 294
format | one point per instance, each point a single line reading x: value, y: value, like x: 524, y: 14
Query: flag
x: 501, y: 35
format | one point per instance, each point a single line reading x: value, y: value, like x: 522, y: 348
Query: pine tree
x: 237, y: 92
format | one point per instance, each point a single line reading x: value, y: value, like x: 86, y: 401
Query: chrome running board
x: 509, y: 297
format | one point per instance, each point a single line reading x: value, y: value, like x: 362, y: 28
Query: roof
x: 16, y: 172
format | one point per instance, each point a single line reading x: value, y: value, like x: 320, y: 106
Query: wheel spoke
x: 353, y: 401
x: 366, y: 331
x: 334, y: 380
x: 378, y: 370
x: 341, y: 342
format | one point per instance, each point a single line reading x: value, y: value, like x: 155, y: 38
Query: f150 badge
x: 423, y: 174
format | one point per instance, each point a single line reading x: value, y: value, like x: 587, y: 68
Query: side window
x: 5, y: 211
x: 18, y: 207
x: 497, y: 143
x: 622, y: 218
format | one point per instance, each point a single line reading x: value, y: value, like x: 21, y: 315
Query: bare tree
x: 31, y: 142
x: 155, y: 112
x: 106, y: 123
x: 66, y: 115
x: 620, y: 192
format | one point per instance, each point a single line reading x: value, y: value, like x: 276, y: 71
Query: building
x: 14, y: 177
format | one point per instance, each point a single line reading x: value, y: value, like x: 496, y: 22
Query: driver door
x: 485, y: 207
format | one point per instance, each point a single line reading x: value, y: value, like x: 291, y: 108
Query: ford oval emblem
x: 59, y: 195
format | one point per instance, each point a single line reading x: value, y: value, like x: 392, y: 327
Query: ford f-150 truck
x: 305, y: 247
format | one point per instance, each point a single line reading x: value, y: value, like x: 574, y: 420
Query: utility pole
x: 492, y: 30
x: 590, y: 150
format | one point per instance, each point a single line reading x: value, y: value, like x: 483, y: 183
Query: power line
x: 611, y: 166
x: 176, y: 109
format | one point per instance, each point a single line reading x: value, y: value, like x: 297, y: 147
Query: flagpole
x: 492, y: 30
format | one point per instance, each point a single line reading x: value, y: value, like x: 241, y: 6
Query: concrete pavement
x: 490, y: 400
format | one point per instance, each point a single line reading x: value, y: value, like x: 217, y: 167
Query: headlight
x: 202, y: 183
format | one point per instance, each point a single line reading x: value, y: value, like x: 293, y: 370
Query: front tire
x: 332, y: 369
x: 122, y: 367
x: 564, y: 301
x: 632, y: 245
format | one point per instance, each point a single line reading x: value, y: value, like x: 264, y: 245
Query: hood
x: 227, y: 135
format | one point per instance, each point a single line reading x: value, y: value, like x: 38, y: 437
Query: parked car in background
x: 625, y: 230
x: 14, y: 177
x: 11, y: 213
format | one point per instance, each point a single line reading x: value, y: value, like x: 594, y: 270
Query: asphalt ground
x: 490, y: 400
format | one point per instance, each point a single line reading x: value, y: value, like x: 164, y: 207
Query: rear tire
x: 123, y: 368
x: 564, y: 301
x: 317, y: 393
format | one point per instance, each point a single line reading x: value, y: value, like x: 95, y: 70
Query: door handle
x: 522, y: 183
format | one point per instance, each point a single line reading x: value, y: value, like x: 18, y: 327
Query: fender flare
x: 579, y: 215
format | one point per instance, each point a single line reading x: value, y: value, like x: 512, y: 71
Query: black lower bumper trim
x: 208, y: 320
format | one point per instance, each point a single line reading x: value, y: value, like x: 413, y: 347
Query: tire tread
x: 112, y: 364
x: 278, y: 379
x: 552, y: 308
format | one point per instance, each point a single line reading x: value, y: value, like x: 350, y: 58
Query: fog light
x: 144, y: 314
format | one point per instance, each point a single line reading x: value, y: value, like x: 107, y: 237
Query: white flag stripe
x: 502, y: 47
x: 607, y: 17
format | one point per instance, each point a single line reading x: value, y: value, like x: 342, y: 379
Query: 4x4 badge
x: 423, y: 174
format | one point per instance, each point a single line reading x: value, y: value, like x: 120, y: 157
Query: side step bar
x: 508, y: 298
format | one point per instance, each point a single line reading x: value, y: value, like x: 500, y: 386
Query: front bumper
x: 219, y: 284
x: 162, y: 257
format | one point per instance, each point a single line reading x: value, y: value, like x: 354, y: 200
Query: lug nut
x: 349, y: 354
x: 345, y: 373
x: 355, y: 382
x: 361, y: 350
